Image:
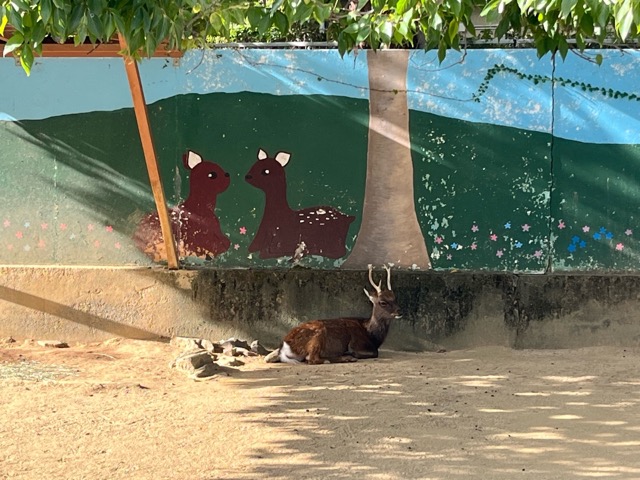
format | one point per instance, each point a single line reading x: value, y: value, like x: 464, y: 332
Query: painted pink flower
x: 628, y: 232
x: 538, y: 254
x: 474, y: 246
x: 561, y: 224
x: 63, y: 226
x: 619, y: 247
x: 96, y: 243
x: 10, y: 246
x: 44, y: 226
x: 438, y: 240
x: 236, y: 247
x: 118, y: 245
x: 475, y: 228
x: 109, y: 228
x: 586, y: 228
x: 499, y: 253
x: 526, y: 227
x: 493, y: 237
x: 19, y: 235
x: 243, y: 230
x: 41, y: 244
x: 6, y: 223
x: 449, y: 257
x: 90, y: 227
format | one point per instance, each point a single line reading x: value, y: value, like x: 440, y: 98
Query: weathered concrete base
x: 449, y: 309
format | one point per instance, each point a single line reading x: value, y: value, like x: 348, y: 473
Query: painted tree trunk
x: 389, y: 232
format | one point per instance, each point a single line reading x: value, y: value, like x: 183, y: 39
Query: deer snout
x: 248, y: 176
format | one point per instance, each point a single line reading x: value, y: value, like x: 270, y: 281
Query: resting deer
x: 194, y: 222
x: 343, y: 339
x: 314, y: 230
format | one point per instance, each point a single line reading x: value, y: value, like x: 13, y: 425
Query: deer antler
x: 388, y: 269
x: 377, y: 287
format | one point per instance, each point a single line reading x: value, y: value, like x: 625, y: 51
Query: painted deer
x: 194, y: 222
x: 319, y: 230
x: 343, y: 339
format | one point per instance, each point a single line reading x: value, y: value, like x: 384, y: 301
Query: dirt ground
x: 116, y: 411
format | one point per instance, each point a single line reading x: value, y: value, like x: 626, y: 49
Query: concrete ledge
x: 449, y: 309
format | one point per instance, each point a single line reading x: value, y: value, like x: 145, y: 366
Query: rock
x: 206, y: 371
x: 240, y: 352
x: 273, y: 357
x: 232, y: 342
x: 7, y: 340
x: 186, y: 343
x: 256, y: 347
x: 190, y: 362
x: 53, y: 344
x: 209, y: 346
x: 230, y: 362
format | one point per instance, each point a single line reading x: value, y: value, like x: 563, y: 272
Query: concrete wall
x: 449, y: 309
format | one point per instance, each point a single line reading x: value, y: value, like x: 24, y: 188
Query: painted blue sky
x: 62, y: 86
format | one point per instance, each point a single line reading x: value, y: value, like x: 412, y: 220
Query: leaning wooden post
x: 142, y: 117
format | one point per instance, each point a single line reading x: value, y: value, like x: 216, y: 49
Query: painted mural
x: 493, y: 160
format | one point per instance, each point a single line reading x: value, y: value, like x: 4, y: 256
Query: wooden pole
x: 142, y: 117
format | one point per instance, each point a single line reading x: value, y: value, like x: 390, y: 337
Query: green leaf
x: 3, y: 24
x: 453, y: 31
x: 598, y: 59
x: 386, y: 31
x: 623, y: 18
x: 442, y: 51
x: 45, y: 10
x: 563, y: 47
x: 13, y: 44
x: 352, y: 28
x: 363, y: 33
x: 281, y: 22
x: 264, y: 24
x: 567, y: 6
x: 26, y: 59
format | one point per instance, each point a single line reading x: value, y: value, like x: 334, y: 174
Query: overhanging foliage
x: 553, y: 25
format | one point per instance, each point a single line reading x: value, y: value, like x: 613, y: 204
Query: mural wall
x: 494, y: 160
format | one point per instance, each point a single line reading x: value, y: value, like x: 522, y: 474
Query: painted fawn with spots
x: 344, y: 339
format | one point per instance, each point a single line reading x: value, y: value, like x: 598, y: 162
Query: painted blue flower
x: 603, y: 230
x: 454, y: 245
x: 583, y: 244
x: 572, y: 247
x: 597, y: 236
x: 507, y: 225
x: 609, y: 235
x: 575, y: 239
x: 518, y: 245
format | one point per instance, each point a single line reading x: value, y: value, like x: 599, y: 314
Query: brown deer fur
x: 343, y: 339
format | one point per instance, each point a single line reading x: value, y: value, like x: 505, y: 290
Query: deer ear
x: 283, y: 158
x: 191, y: 159
x: 262, y: 154
x: 369, y: 296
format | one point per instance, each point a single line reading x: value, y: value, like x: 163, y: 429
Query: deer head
x: 267, y: 173
x: 384, y: 301
x: 206, y: 178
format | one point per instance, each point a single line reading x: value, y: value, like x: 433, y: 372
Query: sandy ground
x: 116, y: 411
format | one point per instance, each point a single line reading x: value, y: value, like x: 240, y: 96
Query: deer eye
x: 383, y: 303
x: 265, y: 171
x: 212, y: 175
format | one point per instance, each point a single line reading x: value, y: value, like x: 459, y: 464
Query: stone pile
x: 200, y: 358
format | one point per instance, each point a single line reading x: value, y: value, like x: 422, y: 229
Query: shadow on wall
x: 76, y: 316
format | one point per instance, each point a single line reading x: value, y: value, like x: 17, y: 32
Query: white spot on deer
x: 321, y: 211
